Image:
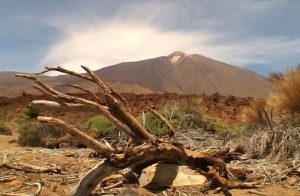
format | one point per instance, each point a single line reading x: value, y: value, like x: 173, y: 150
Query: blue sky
x: 260, y: 35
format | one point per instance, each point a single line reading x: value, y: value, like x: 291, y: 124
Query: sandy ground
x: 75, y: 163
x: 9, y: 141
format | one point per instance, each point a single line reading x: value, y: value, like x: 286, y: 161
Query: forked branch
x: 103, y: 110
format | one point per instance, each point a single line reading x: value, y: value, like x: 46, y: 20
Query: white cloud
x: 136, y: 32
x: 111, y: 43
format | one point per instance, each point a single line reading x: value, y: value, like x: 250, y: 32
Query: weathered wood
x: 41, y: 103
x: 82, y: 137
x: 128, y: 119
x: 106, y: 88
x: 92, y: 178
x: 103, y: 110
x: 36, y: 193
x: 82, y: 89
x: 138, y: 157
x: 66, y: 71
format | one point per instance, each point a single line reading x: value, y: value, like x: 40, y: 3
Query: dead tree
x: 147, y: 150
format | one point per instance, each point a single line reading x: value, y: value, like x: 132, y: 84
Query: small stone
x: 135, y: 192
x: 293, y: 180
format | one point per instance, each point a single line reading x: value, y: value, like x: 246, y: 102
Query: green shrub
x: 182, y: 115
x: 101, y: 124
x: 153, y: 124
x: 215, y: 125
x: 32, y: 112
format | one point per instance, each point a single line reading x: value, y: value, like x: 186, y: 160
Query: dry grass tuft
x: 258, y: 112
x: 277, y: 145
x: 287, y: 91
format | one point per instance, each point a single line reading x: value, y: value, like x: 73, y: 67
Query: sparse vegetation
x: 19, y: 118
x: 281, y: 140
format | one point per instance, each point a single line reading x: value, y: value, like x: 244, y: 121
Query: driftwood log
x: 148, y: 149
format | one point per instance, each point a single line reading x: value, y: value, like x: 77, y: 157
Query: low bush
x: 183, y: 115
x: 4, y: 128
x: 100, y: 125
x: 215, y: 125
x: 19, y: 118
x: 35, y: 134
x: 32, y: 112
x: 152, y: 123
x: 282, y: 105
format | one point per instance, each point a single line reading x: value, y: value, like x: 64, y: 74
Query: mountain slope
x: 181, y: 73
x: 178, y: 73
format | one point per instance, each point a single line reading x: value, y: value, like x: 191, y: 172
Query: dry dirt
x: 226, y: 108
x: 75, y: 163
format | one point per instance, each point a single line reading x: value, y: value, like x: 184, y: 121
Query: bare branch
x: 119, y: 110
x: 82, y: 89
x: 93, y: 78
x: 54, y: 104
x: 97, y: 80
x: 70, y: 98
x: 62, y: 70
x: 172, y: 130
x: 44, y: 91
x: 82, y: 137
x: 104, y: 87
